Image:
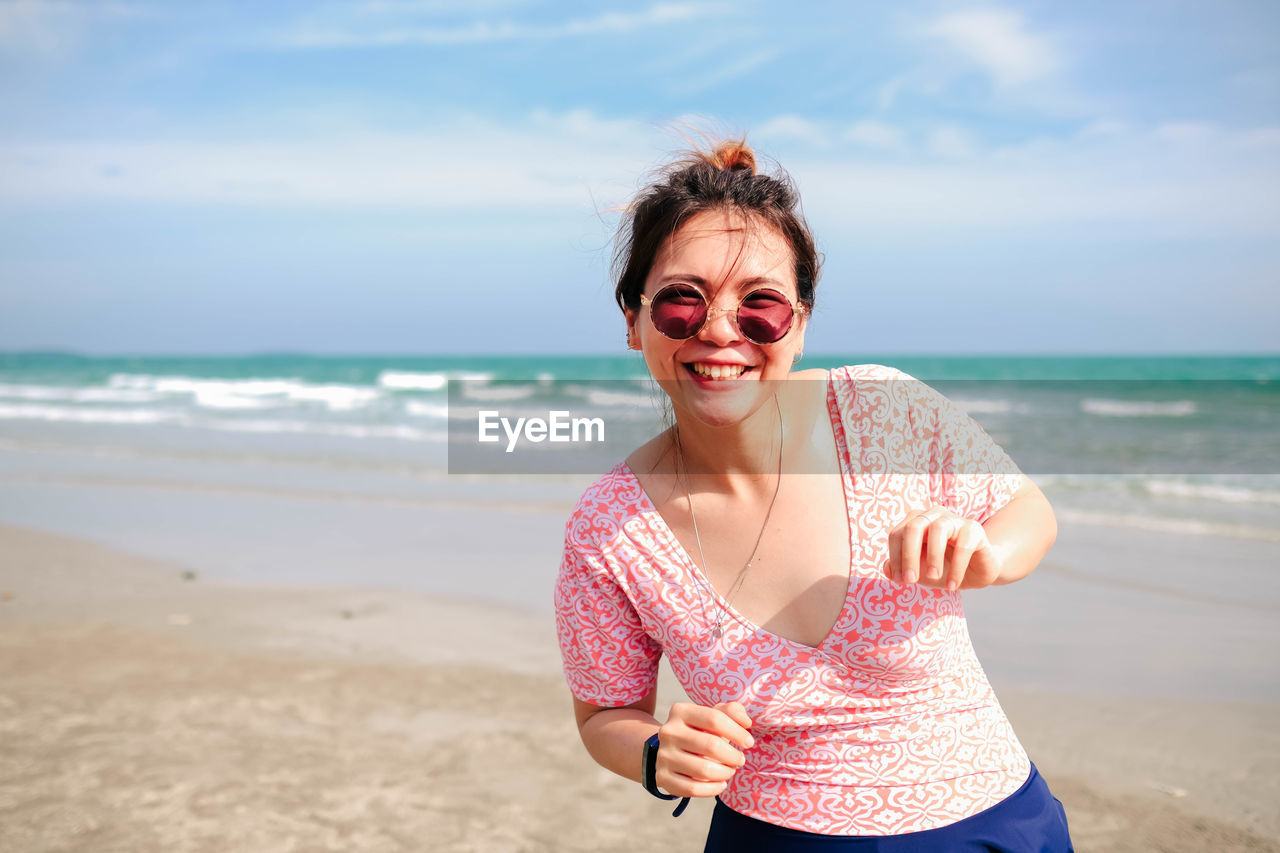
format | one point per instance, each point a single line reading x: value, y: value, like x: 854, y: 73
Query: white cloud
x: 546, y: 161
x: 52, y: 26
x: 875, y: 134
x: 997, y: 41
x: 1202, y: 135
x: 924, y: 80
x: 731, y: 70
x: 1114, y: 177
x: 865, y: 134
x: 905, y: 199
x: 791, y: 127
x: 950, y: 142
x: 431, y: 7
x: 1187, y: 132
x: 550, y: 165
x: 357, y: 34
x: 1263, y: 137
x: 1102, y: 128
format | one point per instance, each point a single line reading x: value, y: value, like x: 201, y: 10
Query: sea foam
x: 1135, y: 408
x: 69, y: 414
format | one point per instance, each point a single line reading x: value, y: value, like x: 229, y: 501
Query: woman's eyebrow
x: 760, y: 279
x: 683, y: 277
x: 699, y: 280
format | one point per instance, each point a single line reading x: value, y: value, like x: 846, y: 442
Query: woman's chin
x: 725, y: 408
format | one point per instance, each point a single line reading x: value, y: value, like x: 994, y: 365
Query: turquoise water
x: 1058, y: 415
x: 1156, y: 440
x: 70, y: 369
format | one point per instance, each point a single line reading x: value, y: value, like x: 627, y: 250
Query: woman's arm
x: 700, y: 748
x: 1021, y: 532
x: 939, y: 548
x: 615, y: 736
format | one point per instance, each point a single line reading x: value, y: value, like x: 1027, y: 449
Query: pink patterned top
x: 889, y: 725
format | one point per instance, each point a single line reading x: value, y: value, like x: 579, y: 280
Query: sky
x: 439, y: 176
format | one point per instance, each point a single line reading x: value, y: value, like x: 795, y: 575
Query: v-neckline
x: 848, y: 490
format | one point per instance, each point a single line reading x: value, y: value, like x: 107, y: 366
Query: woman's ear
x: 800, y: 330
x: 632, y: 337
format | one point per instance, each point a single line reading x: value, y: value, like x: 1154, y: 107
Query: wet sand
x: 149, y: 707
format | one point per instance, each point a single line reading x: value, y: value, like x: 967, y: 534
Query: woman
x: 796, y: 548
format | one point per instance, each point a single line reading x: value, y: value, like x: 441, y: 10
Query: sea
x: 1181, y: 443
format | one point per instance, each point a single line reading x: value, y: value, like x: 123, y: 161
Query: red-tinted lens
x: 765, y: 316
x: 678, y: 311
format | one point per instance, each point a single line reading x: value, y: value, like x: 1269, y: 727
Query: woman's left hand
x: 940, y: 549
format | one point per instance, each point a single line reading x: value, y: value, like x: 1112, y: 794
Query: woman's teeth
x: 718, y: 371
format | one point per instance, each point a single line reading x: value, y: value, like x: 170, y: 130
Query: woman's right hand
x: 700, y: 748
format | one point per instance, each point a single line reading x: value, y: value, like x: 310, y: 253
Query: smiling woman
x: 815, y: 621
x: 721, y: 309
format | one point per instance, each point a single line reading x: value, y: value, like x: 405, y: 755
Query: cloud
x: 556, y: 162
x: 1263, y: 137
x: 866, y: 136
x: 875, y: 134
x: 354, y: 34
x: 431, y: 7
x: 732, y: 70
x: 1186, y: 132
x: 1102, y: 128
x: 950, y: 142
x: 924, y: 80
x: 998, y: 42
x: 52, y: 26
x: 791, y: 127
x: 550, y: 165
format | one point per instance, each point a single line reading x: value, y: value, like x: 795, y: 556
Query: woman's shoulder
x: 616, y: 486
x: 882, y: 397
x: 867, y: 373
x: 605, y: 506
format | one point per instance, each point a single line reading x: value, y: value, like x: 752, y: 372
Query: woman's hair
x: 724, y: 178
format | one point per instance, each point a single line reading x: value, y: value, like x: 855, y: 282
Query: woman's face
x: 718, y: 376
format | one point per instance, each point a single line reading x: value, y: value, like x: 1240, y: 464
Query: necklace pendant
x: 717, y: 632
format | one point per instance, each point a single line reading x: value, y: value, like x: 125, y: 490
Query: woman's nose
x: 721, y: 326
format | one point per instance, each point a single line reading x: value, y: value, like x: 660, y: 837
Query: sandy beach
x: 148, y: 707
x: 227, y: 641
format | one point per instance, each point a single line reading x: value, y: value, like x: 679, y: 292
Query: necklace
x: 742, y: 573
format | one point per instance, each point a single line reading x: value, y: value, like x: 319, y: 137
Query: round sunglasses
x: 679, y: 311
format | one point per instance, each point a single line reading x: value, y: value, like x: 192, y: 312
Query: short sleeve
x: 969, y: 472
x: 608, y: 658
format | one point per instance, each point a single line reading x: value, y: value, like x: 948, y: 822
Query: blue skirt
x: 1030, y: 820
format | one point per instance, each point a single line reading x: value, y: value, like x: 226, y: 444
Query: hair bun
x: 734, y: 155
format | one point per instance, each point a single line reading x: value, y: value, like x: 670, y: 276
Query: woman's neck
x: 734, y: 458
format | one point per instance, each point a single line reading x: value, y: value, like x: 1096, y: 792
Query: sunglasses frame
x: 796, y: 308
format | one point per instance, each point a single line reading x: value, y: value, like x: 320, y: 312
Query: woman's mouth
x: 705, y: 370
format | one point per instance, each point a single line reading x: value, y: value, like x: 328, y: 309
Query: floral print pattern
x: 889, y: 725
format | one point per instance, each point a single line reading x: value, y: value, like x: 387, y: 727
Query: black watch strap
x: 649, y: 772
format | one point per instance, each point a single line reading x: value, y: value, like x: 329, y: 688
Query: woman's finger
x: 984, y: 566
x: 735, y: 712
x: 937, y: 536
x: 683, y: 786
x: 711, y: 746
x: 893, y: 565
x: 699, y: 768
x: 913, y: 531
x: 713, y: 721
x: 966, y: 541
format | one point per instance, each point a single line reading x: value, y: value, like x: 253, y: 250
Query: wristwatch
x: 649, y: 770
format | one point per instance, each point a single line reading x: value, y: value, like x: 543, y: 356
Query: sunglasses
x: 679, y: 311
